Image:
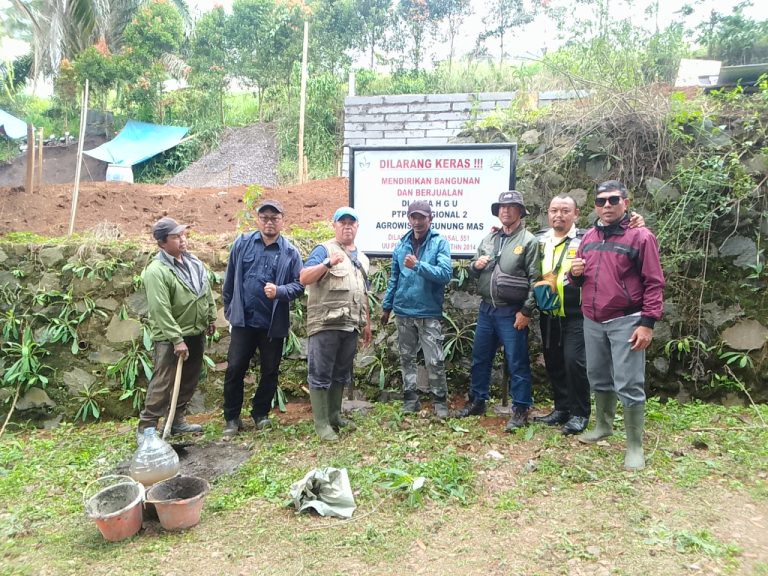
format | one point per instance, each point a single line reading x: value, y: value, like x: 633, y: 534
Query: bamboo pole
x: 30, y: 158
x: 302, y: 102
x: 80, y: 142
x: 40, y: 161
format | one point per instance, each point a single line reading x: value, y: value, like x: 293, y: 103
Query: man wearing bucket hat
x: 261, y: 281
x: 181, y: 313
x: 421, y: 267
x: 506, y: 266
x: 336, y: 277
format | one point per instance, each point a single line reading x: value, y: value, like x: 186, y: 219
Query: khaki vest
x: 339, y: 300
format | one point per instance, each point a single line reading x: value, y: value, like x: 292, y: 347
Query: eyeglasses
x: 612, y: 200
x: 272, y: 219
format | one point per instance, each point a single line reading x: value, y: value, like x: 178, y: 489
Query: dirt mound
x: 245, y: 156
x: 59, y: 163
x: 134, y: 207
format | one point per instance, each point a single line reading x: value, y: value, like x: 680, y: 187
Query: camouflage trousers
x: 427, y: 334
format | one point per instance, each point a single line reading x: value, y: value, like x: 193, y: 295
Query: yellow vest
x: 339, y: 300
x: 551, y: 250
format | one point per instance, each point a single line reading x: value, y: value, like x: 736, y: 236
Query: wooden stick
x: 174, y: 397
x: 30, y: 158
x: 302, y: 102
x: 80, y: 142
x: 40, y: 161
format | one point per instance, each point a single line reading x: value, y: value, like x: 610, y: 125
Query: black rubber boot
x: 411, y: 402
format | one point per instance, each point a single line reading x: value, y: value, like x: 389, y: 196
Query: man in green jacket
x: 181, y: 313
x: 506, y: 267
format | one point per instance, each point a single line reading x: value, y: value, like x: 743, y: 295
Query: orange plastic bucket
x: 179, y: 501
x: 116, y: 507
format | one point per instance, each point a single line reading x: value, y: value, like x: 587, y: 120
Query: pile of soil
x: 133, y: 208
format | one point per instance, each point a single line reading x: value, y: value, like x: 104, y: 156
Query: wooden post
x: 40, y: 161
x: 302, y: 102
x: 30, y: 158
x: 80, y: 142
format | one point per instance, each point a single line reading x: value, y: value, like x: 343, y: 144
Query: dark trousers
x: 242, y: 346
x: 330, y: 357
x: 566, y: 362
x: 160, y: 388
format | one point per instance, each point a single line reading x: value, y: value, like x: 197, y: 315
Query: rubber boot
x: 319, y: 399
x: 335, y: 399
x: 440, y: 405
x: 634, y: 423
x: 605, y: 412
x: 411, y: 402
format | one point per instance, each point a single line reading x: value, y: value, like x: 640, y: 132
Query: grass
x: 699, y: 501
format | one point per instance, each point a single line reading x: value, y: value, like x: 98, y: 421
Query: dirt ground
x: 134, y: 207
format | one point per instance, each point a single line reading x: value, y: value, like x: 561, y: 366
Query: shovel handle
x: 174, y: 398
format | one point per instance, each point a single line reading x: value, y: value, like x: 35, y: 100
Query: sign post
x: 459, y: 181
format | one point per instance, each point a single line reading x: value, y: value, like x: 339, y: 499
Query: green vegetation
x: 417, y: 479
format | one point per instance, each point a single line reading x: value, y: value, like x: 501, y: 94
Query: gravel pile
x: 245, y: 156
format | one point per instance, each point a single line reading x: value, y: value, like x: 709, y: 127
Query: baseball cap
x: 610, y: 186
x: 274, y: 204
x: 507, y: 198
x: 166, y: 226
x: 420, y: 207
x: 345, y: 211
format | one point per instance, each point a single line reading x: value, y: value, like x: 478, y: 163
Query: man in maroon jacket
x: 622, y: 286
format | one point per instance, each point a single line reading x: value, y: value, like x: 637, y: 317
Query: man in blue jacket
x: 421, y: 267
x: 262, y: 279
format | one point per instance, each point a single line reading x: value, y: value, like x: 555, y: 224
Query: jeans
x: 242, y: 346
x: 159, y: 390
x: 427, y: 334
x: 330, y: 355
x: 495, y: 327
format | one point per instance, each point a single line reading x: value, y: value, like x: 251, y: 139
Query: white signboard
x: 460, y: 182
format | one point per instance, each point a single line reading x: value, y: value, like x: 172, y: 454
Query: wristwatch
x: 327, y: 263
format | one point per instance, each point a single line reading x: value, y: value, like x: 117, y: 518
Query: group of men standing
x: 605, y: 294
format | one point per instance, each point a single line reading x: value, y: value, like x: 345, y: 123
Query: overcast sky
x: 541, y: 35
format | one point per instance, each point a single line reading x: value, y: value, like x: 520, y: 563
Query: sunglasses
x: 612, y: 200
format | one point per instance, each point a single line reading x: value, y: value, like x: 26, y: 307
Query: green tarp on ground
x: 137, y: 142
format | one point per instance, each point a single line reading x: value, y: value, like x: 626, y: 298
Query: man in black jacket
x: 262, y: 279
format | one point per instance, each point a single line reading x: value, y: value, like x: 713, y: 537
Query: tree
x: 505, y: 16
x: 333, y: 32
x: 374, y: 18
x: 266, y: 41
x: 453, y: 12
x: 151, y: 44
x: 64, y: 28
x: 208, y: 53
x: 734, y: 38
x: 417, y: 19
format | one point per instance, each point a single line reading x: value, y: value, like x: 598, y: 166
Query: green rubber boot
x: 319, y: 399
x: 634, y: 423
x: 605, y: 412
x: 335, y: 399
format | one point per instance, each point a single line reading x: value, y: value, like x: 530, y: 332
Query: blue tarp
x: 138, y: 141
x: 13, y: 127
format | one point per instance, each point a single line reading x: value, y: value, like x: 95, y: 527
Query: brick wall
x: 421, y: 119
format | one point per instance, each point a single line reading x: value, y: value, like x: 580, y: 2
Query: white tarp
x: 13, y: 127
